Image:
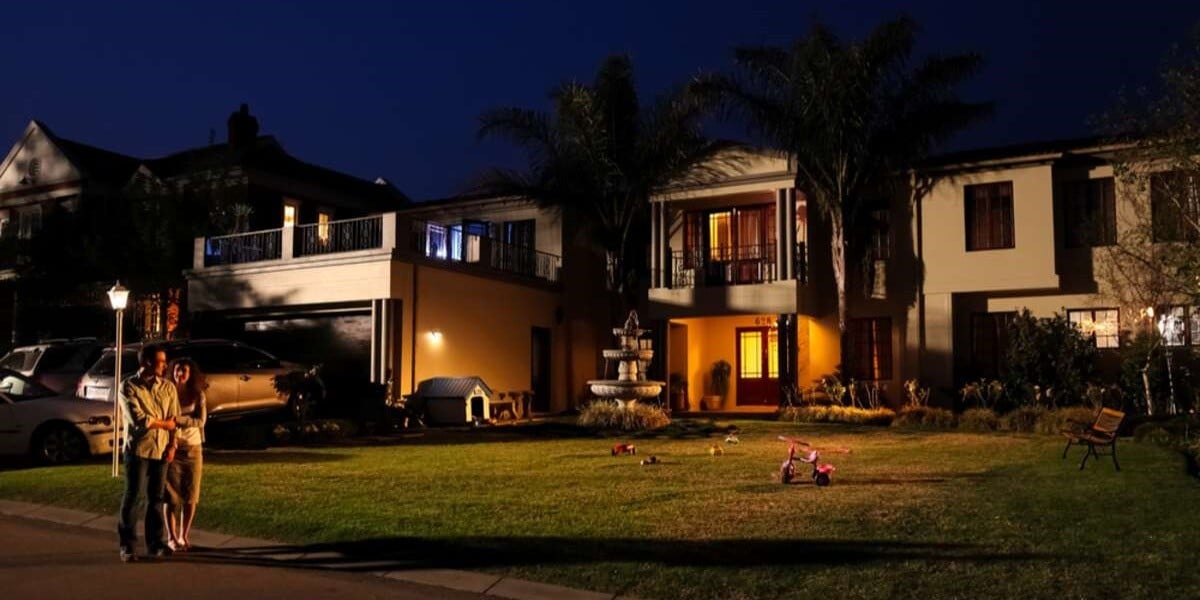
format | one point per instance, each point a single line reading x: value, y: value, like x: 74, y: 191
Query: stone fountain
x: 631, y: 383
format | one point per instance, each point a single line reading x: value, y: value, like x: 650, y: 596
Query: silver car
x: 52, y: 427
x: 241, y: 378
x: 56, y: 364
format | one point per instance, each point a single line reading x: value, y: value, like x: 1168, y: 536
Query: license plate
x: 96, y: 393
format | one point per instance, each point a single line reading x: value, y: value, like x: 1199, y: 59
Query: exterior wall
x: 54, y: 166
x: 949, y: 267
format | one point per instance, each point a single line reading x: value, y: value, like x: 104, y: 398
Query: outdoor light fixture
x: 435, y: 335
x: 118, y: 296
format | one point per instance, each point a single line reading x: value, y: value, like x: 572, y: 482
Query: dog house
x: 454, y: 400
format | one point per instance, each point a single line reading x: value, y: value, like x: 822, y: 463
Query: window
x: 989, y: 211
x: 745, y: 235
x: 29, y: 221
x: 289, y: 214
x: 435, y: 241
x: 323, y: 219
x: 870, y: 349
x: 881, y: 235
x: 1172, y: 324
x: 989, y: 342
x: 21, y: 360
x: 1090, y: 213
x: 1101, y: 324
x: 759, y: 348
x: 1174, y: 206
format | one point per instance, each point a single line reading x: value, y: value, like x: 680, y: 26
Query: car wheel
x: 59, y: 444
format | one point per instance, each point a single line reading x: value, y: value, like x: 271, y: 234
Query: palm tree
x: 851, y: 117
x: 600, y: 156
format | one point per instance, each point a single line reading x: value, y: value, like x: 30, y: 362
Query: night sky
x: 395, y: 91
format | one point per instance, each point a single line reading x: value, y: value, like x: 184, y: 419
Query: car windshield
x: 19, y: 389
x: 104, y: 367
x: 21, y: 360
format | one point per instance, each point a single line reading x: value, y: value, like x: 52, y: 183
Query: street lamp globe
x: 118, y: 296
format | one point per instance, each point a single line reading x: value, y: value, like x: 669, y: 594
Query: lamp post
x: 117, y: 296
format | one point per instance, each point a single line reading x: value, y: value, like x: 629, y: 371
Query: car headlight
x: 101, y: 420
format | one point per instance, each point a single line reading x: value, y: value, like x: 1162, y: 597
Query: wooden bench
x: 1102, y: 432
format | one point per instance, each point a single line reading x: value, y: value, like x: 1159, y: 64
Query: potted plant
x: 720, y: 385
x: 678, y: 389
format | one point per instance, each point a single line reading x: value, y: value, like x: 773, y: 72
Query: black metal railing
x: 347, y: 235
x: 729, y: 265
x: 243, y: 248
x: 448, y: 243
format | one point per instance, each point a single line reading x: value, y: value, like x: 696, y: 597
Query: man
x: 149, y: 405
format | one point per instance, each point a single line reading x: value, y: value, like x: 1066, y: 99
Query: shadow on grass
x: 476, y: 553
x: 252, y: 457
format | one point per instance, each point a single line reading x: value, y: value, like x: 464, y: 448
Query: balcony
x: 426, y: 241
x: 726, y: 266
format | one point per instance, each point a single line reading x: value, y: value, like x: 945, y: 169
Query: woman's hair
x: 196, y: 383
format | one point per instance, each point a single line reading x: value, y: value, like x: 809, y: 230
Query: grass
x: 910, y: 514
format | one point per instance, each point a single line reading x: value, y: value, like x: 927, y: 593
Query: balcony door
x: 757, y: 366
x: 731, y: 246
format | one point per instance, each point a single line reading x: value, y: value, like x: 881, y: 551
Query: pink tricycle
x: 822, y: 474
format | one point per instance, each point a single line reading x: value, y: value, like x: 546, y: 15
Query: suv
x: 241, y: 378
x: 56, y: 364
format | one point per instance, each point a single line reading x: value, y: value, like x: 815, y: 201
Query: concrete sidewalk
x: 52, y: 552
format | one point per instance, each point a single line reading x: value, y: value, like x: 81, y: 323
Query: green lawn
x: 909, y: 514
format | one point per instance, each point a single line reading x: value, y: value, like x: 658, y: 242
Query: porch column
x: 655, y: 252
x: 780, y: 234
x: 786, y: 327
x: 789, y: 232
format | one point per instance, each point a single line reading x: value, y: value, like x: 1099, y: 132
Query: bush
x: 1049, y: 355
x: 318, y: 431
x: 924, y: 416
x: 607, y: 414
x: 1023, y: 419
x: 979, y: 419
x: 1151, y: 432
x: 838, y: 414
x: 1054, y: 421
x: 1147, y: 346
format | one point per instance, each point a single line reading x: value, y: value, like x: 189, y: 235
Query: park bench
x: 1098, y: 434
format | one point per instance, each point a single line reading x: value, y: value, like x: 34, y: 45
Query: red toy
x: 624, y: 449
x: 822, y: 474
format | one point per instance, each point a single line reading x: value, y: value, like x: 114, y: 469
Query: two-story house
x: 254, y: 178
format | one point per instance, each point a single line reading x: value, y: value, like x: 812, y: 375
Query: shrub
x: 838, y: 414
x: 1023, y: 419
x: 1046, y: 355
x: 1145, y: 350
x: 1151, y: 432
x: 979, y: 419
x: 606, y: 414
x: 1053, y: 421
x: 924, y: 416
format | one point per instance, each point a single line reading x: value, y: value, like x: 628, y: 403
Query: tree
x: 852, y: 117
x: 600, y: 156
x: 1155, y: 262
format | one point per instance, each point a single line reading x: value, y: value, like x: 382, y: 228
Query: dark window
x: 104, y: 366
x: 1175, y: 207
x: 870, y: 349
x: 989, y: 342
x: 989, y: 210
x: 881, y: 235
x: 21, y: 360
x: 736, y: 245
x: 250, y: 358
x: 212, y: 358
x: 1090, y: 213
x: 19, y: 389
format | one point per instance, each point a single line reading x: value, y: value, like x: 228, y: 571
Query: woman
x: 183, y: 473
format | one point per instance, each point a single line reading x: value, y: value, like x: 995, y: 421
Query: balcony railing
x: 243, y: 248
x: 348, y: 235
x: 438, y: 242
x: 729, y: 265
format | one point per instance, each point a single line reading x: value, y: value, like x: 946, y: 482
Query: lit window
x: 752, y: 359
x: 435, y: 241
x: 720, y: 236
x: 773, y: 353
x: 1100, y: 324
x: 289, y: 215
x: 323, y: 227
x: 1172, y: 324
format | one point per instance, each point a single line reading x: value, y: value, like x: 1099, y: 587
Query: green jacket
x: 141, y: 403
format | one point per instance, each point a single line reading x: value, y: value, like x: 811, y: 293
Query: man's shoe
x: 161, y: 552
x: 127, y: 555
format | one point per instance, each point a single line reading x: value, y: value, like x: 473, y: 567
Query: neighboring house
x: 980, y: 236
x: 460, y: 287
x: 261, y: 184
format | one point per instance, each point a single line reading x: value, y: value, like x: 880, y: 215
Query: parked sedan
x: 56, y: 364
x: 241, y: 378
x: 52, y: 427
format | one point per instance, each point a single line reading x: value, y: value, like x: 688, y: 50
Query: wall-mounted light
x: 435, y: 335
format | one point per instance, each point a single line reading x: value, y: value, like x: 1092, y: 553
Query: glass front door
x: 758, y: 366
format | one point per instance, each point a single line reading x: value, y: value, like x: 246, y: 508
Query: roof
x: 1015, y: 151
x: 451, y: 387
x: 95, y: 163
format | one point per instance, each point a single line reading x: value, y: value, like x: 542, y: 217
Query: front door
x: 539, y: 372
x: 757, y: 366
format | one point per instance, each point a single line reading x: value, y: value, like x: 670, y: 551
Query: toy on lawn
x: 716, y: 450
x: 732, y: 438
x: 624, y: 449
x: 653, y: 460
x: 822, y: 474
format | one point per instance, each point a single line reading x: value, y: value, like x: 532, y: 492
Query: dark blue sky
x: 395, y: 90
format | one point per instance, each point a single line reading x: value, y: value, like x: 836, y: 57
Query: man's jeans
x: 141, y: 472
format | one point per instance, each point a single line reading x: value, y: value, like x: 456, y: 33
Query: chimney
x: 243, y: 128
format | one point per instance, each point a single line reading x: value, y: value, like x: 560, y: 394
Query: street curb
x: 463, y: 581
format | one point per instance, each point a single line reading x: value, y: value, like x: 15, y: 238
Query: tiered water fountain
x: 631, y: 383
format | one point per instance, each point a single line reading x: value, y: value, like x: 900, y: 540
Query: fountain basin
x: 644, y: 355
x: 625, y: 390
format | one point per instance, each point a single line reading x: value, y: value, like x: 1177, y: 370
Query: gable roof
x: 1012, y: 152
x: 95, y: 163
